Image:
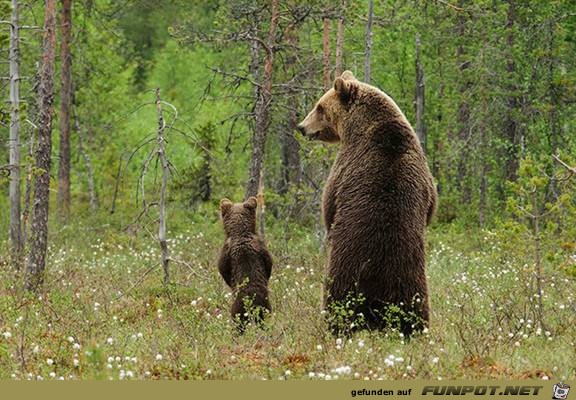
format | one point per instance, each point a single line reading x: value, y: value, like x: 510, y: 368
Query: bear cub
x: 244, y: 263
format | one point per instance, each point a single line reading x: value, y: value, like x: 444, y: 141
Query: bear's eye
x: 320, y: 109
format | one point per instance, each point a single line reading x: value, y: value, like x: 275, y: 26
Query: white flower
x: 49, y: 361
x: 7, y: 335
x: 338, y: 342
x: 319, y: 347
x: 360, y: 343
x: 311, y: 374
x: 36, y: 349
x: 517, y: 344
x: 76, y: 362
x: 52, y: 374
x: 109, y: 340
x: 76, y: 346
x: 287, y: 372
x: 435, y: 360
x: 159, y: 357
x: 343, y: 370
x: 70, y: 339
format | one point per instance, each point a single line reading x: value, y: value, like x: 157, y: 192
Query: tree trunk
x: 262, y: 108
x: 368, y: 43
x: 463, y: 112
x: 291, y: 168
x: 37, y: 258
x: 15, y: 225
x: 63, y: 202
x: 326, y: 51
x: 340, y: 41
x: 161, y: 140
x: 511, y: 127
x: 420, y: 92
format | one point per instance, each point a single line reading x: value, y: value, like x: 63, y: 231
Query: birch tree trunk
x: 36, y: 261
x: 63, y: 202
x: 368, y: 43
x: 420, y: 93
x: 262, y: 108
x: 14, y: 191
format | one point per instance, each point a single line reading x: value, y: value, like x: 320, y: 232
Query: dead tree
x: 368, y: 43
x: 36, y: 261
x: 63, y: 196
x: 262, y: 107
x: 420, y: 93
x: 15, y: 225
x: 161, y: 143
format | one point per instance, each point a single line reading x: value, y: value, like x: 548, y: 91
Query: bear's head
x: 239, y: 219
x: 323, y: 122
x: 349, y: 103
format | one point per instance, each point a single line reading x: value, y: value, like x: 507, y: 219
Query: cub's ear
x: 348, y: 76
x: 251, y: 203
x: 225, y: 206
x: 346, y: 90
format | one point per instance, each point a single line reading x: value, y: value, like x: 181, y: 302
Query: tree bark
x: 420, y: 93
x: 63, y: 203
x: 36, y: 262
x: 340, y: 41
x: 368, y: 43
x: 14, y: 191
x: 326, y: 51
x: 262, y: 108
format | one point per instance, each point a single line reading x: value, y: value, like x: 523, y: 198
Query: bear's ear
x: 251, y: 203
x: 346, y: 90
x: 225, y: 206
x: 348, y: 76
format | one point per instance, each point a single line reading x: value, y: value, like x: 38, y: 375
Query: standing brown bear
x: 245, y: 263
x: 377, y: 202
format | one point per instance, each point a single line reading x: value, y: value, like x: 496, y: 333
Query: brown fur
x: 244, y: 263
x: 377, y: 202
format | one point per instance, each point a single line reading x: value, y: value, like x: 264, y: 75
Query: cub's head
x: 325, y: 119
x: 239, y: 219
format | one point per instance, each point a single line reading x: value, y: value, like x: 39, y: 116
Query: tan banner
x: 299, y: 390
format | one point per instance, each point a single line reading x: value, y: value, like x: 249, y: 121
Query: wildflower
x: 319, y: 347
x: 7, y: 335
x: 49, y: 361
x: 435, y: 360
x: 109, y: 340
x: 159, y: 357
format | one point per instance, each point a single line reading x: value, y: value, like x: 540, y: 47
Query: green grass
x: 103, y: 313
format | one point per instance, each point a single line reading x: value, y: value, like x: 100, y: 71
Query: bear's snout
x: 301, y: 129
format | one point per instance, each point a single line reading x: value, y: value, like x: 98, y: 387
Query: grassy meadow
x: 104, y: 313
